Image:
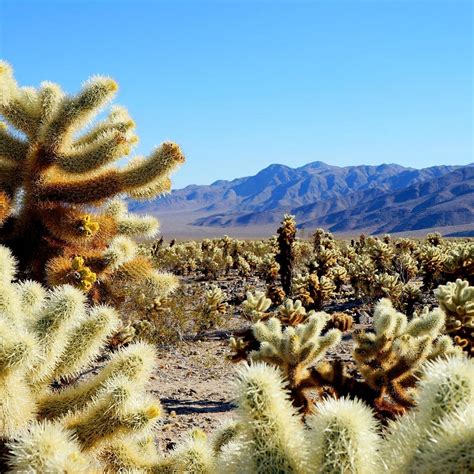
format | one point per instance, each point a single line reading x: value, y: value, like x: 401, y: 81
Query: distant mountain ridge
x: 384, y: 198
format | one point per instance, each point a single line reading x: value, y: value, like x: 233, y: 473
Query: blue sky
x: 243, y: 84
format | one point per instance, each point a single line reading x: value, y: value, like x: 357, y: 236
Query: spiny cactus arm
x: 109, y: 147
x: 343, y: 437
x: 17, y: 105
x: 10, y: 309
x: 227, y: 433
x: 64, y: 308
x: 85, y: 342
x: 74, y: 112
x: 194, y: 455
x: 112, y: 182
x: 47, y: 447
x: 50, y: 98
x: 157, y: 188
x: 272, y: 438
x: 16, y: 350
x: 121, y: 250
x: 8, y: 265
x: 136, y: 362
x: 11, y: 148
x: 119, y: 409
x: 444, y: 346
x: 31, y: 297
x: 131, y: 225
x: 450, y: 449
x: 446, y: 389
x: 387, y: 320
x: 17, y: 402
x: 17, y: 353
x: 116, y: 208
x: 162, y: 161
x: 428, y: 323
x: 118, y: 120
x: 269, y: 331
x: 127, y: 454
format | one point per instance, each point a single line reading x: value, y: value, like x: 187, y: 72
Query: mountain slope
x: 384, y: 198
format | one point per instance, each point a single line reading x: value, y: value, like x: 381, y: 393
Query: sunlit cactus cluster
x: 58, y: 190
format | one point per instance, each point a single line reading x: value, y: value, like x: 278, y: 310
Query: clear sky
x: 243, y: 84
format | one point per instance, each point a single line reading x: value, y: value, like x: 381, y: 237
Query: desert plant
x: 285, y: 256
x: 60, y: 232
x: 457, y: 301
x: 343, y: 435
x: 295, y: 350
x: 47, y: 339
x: 460, y: 262
x: 390, y: 358
x: 341, y: 321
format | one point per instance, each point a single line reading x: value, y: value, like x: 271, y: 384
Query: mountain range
x: 375, y: 199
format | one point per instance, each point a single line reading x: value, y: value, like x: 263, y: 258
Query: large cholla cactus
x: 47, y: 339
x: 390, y: 358
x: 295, y: 350
x: 54, y: 179
x: 457, y: 301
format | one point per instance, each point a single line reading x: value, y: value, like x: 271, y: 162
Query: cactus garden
x: 125, y: 351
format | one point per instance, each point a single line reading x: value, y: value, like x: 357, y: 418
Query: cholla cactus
x: 269, y: 269
x: 406, y: 266
x: 381, y: 253
x: 59, y: 232
x: 437, y: 436
x: 411, y: 295
x: 338, y: 274
x: 292, y: 313
x: 434, y: 238
x: 271, y: 437
x: 362, y: 275
x: 211, y: 309
x: 390, y: 358
x: 344, y: 436
x: 322, y: 238
x: 255, y: 306
x: 52, y: 336
x: 341, y: 321
x: 295, y: 350
x: 285, y: 257
x: 460, y: 262
x: 457, y: 301
x: 386, y: 286
x: 320, y: 290
x: 431, y: 260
